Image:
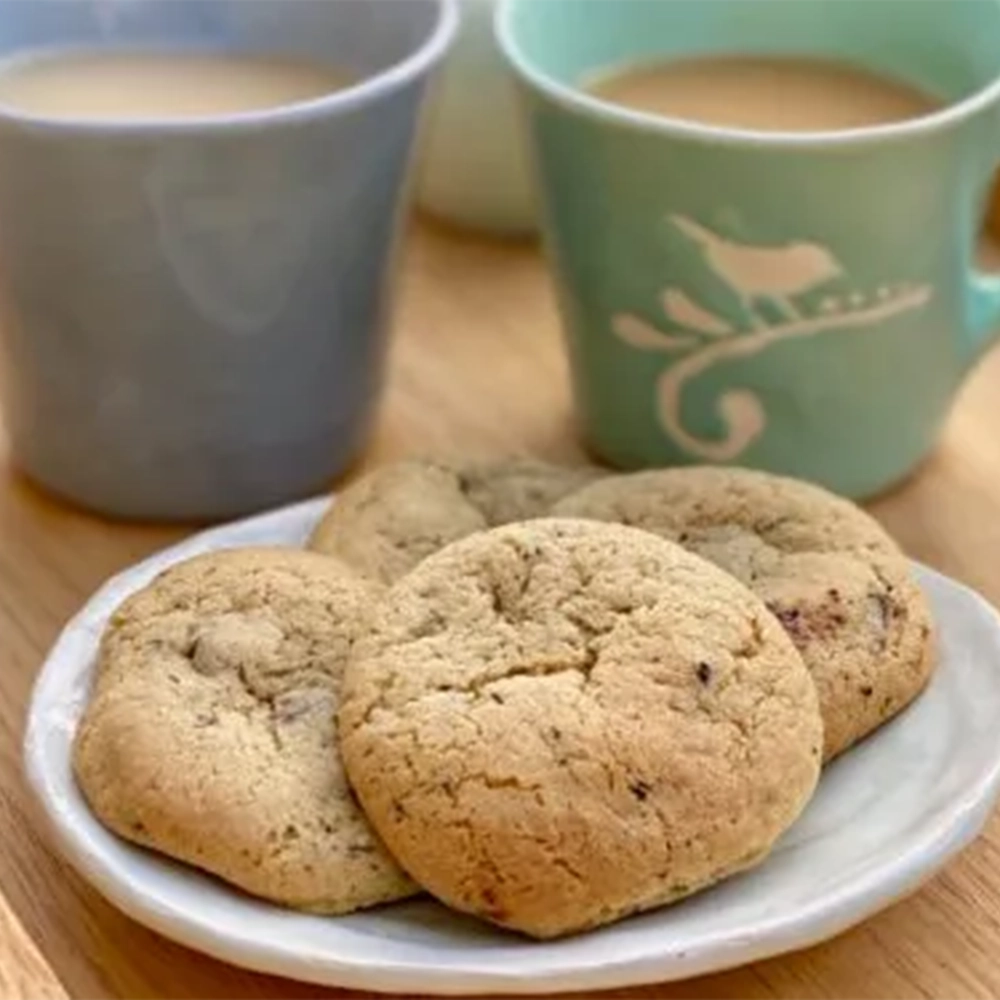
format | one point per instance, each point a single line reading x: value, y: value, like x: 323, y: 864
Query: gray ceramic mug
x: 195, y: 313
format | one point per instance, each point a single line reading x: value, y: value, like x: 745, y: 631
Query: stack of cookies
x: 548, y: 696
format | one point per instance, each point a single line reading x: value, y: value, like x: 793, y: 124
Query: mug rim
x: 578, y: 100
x: 365, y: 91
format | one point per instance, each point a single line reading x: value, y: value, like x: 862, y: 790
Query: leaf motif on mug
x: 684, y: 311
x: 642, y: 335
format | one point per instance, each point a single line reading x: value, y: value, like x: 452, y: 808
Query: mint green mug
x: 804, y: 303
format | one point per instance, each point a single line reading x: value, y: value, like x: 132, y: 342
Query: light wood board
x: 477, y: 368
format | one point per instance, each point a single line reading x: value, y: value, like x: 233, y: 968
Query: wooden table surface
x: 477, y: 367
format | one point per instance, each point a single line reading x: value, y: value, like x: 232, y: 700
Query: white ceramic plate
x: 886, y: 816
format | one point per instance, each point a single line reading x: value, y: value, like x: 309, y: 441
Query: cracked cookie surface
x: 556, y: 723
x: 520, y: 489
x: 210, y: 734
x: 385, y: 523
x: 826, y: 569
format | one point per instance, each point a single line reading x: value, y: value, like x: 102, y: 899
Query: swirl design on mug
x: 755, y: 274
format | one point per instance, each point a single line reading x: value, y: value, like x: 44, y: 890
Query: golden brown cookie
x: 389, y: 520
x: 519, y: 489
x: 556, y: 723
x: 386, y: 522
x: 211, y: 733
x: 832, y: 576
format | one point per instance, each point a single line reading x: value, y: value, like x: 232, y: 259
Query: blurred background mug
x: 474, y: 169
x: 804, y: 303
x: 195, y: 311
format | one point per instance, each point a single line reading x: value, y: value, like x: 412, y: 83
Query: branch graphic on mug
x: 755, y: 274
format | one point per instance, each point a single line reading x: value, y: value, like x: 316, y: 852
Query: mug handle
x: 983, y: 324
x: 984, y: 314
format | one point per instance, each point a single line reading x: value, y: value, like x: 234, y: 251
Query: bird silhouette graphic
x: 775, y: 273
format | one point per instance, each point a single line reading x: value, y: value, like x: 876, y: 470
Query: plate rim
x: 820, y: 920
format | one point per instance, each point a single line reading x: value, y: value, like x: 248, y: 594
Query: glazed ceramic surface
x: 195, y: 313
x: 804, y: 302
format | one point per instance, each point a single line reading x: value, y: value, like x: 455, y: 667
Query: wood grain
x: 24, y: 974
x: 477, y: 367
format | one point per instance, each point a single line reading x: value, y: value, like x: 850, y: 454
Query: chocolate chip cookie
x: 210, y: 735
x: 556, y: 723
x: 830, y: 574
x: 389, y: 520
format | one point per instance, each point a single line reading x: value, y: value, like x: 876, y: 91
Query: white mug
x: 474, y: 164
